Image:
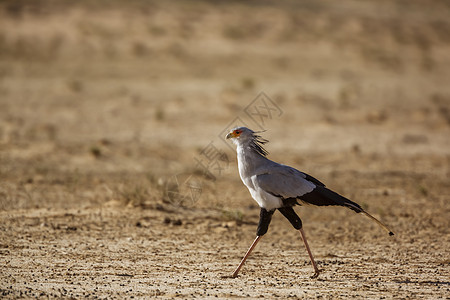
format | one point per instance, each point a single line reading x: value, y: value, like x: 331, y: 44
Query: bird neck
x: 248, y: 159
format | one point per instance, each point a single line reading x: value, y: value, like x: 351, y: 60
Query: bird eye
x: 237, y: 131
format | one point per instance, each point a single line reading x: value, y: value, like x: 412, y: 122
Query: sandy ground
x: 116, y: 182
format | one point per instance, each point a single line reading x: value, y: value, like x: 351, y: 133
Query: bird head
x: 240, y: 134
x: 244, y: 136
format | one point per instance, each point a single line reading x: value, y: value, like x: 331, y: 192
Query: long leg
x: 316, y: 270
x: 246, y: 255
x: 290, y: 214
x: 264, y: 220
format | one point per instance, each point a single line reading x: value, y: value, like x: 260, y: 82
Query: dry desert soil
x: 116, y: 181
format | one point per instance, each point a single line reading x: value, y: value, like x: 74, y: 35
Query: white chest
x: 248, y: 170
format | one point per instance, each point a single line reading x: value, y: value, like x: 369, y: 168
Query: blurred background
x: 106, y: 100
x: 115, y: 179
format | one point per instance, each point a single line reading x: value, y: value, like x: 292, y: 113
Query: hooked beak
x: 230, y: 135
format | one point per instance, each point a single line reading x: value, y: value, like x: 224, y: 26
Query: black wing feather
x: 313, y: 180
x: 322, y: 196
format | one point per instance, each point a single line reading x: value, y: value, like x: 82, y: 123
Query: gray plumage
x: 275, y: 185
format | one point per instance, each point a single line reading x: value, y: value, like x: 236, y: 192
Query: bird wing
x: 286, y: 182
x: 292, y: 186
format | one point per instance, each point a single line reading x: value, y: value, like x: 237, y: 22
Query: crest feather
x: 257, y: 145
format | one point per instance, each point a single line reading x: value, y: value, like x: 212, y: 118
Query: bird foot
x: 316, y: 274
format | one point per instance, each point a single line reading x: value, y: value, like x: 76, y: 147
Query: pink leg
x: 316, y: 270
x: 245, y: 257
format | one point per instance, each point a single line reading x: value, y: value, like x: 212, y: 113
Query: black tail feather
x: 322, y: 196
